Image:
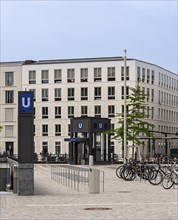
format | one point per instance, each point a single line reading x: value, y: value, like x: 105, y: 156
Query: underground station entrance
x: 89, y: 140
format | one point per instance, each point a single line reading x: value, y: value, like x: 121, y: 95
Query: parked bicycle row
x: 155, y: 174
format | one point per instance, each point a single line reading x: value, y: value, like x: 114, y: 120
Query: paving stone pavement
x: 122, y: 200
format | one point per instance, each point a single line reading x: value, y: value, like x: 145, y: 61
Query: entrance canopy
x: 88, y: 138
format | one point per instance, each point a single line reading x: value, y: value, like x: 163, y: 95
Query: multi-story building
x: 10, y: 84
x: 69, y: 88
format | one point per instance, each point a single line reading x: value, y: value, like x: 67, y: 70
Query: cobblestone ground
x: 121, y: 200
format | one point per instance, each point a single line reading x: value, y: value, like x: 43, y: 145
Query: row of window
x: 71, y: 112
x: 166, y: 98
x: 9, y: 94
x: 84, y: 111
x: 167, y: 115
x: 164, y: 128
x: 57, y: 146
x: 84, y: 92
x: 145, y: 75
x: 9, y: 130
x: 167, y: 82
x: 111, y: 75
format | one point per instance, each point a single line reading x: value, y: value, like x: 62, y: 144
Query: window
x: 9, y: 114
x: 122, y: 108
x: 159, y: 78
x: 97, y: 74
x: 84, y: 75
x: 111, y: 92
x: 152, y: 112
x: 84, y: 93
x: 57, y: 76
x: 9, y: 96
x: 45, y: 147
x: 138, y: 74
x: 70, y: 111
x: 71, y: 94
x: 70, y: 75
x: 44, y: 76
x: 152, y: 76
x: 148, y: 112
x: 148, y: 76
x: 9, y: 131
x: 111, y: 111
x: 111, y: 73
x: 127, y: 92
x: 57, y: 94
x: 84, y: 111
x: 34, y: 94
x: 122, y: 73
x: 97, y: 92
x: 9, y: 78
x: 98, y: 111
x: 112, y: 129
x: 44, y: 112
x: 57, y: 147
x: 143, y: 74
x: 69, y: 129
x: 148, y: 94
x: 44, y: 94
x: 44, y: 130
x: 162, y: 79
x: 58, y: 130
x: 152, y: 95
x: 32, y: 77
x: 58, y: 112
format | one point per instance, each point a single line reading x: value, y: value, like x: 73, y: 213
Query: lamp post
x: 125, y: 111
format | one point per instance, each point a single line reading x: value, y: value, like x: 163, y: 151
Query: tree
x: 136, y: 117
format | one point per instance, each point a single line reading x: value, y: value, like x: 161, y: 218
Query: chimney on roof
x: 29, y: 61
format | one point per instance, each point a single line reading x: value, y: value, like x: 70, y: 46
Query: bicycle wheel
x: 128, y: 174
x: 175, y: 177
x: 119, y: 171
x: 155, y: 177
x: 168, y: 181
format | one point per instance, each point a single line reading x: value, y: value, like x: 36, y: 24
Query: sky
x: 44, y: 30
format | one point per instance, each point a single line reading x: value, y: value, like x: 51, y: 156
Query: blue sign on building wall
x: 26, y: 102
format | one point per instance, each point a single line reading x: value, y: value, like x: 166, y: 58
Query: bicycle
x: 171, y: 178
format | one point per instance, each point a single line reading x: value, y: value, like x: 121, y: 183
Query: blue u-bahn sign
x: 25, y: 102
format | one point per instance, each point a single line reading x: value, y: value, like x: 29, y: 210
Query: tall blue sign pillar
x: 25, y: 183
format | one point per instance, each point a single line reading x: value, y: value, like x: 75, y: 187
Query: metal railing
x: 70, y: 176
x: 74, y: 176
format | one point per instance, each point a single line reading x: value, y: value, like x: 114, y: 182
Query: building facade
x: 92, y: 87
x: 10, y: 84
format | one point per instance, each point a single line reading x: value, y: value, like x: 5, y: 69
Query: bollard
x: 90, y: 160
x: 15, y: 179
x: 94, y: 181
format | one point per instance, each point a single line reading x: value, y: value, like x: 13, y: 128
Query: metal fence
x: 73, y: 176
x: 70, y: 176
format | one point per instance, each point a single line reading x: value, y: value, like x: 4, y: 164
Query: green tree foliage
x: 136, y: 117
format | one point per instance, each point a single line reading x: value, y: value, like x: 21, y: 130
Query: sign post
x: 26, y: 144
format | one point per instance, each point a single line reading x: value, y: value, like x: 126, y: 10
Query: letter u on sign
x: 26, y: 102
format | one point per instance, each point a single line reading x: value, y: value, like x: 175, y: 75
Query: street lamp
x: 125, y: 111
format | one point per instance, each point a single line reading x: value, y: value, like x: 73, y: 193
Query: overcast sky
x: 41, y: 30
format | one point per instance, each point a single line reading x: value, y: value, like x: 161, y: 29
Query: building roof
x: 12, y: 63
x: 77, y: 60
